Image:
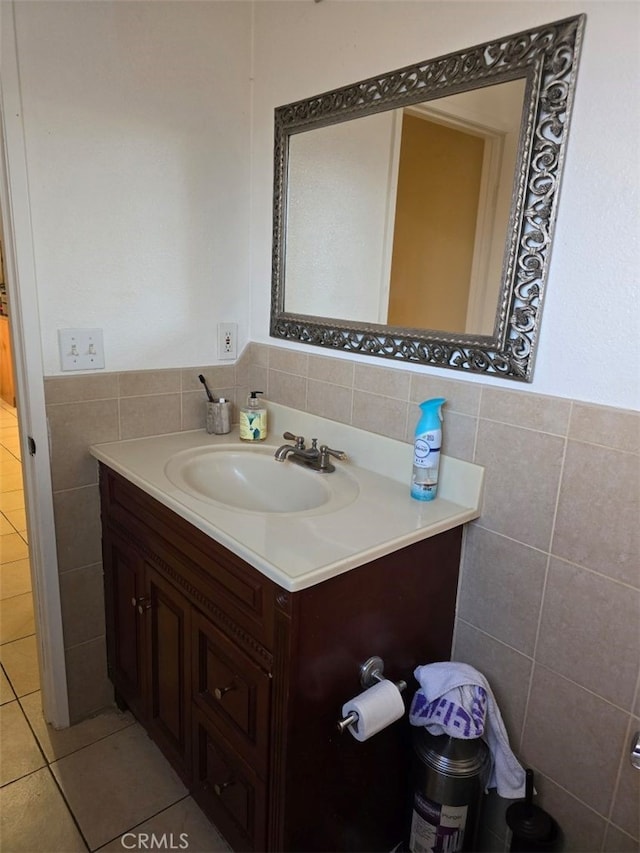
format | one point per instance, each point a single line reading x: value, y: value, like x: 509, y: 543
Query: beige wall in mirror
x: 429, y: 187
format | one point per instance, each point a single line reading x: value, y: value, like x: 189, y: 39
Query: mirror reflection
x: 401, y: 217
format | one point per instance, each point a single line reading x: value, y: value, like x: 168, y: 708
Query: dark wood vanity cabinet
x: 241, y: 683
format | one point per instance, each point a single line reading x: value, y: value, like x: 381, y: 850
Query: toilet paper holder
x: 371, y: 672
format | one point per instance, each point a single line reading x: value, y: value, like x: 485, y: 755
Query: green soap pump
x: 253, y: 419
x: 426, y: 450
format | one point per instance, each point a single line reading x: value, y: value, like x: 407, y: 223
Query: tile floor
x: 99, y: 785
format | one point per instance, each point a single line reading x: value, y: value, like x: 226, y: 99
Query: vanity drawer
x: 228, y: 790
x: 232, y: 690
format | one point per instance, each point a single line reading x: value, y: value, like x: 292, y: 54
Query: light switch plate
x: 81, y: 349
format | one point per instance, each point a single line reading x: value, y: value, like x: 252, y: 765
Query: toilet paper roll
x: 377, y: 708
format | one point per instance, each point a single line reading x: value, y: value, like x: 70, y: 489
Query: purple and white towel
x: 455, y: 699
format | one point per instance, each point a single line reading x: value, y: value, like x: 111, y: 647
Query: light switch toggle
x: 81, y: 349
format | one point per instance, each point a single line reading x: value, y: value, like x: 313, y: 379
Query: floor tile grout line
x: 6, y: 671
x: 33, y: 734
x: 35, y: 739
x: 4, y: 513
x: 9, y: 562
x: 26, y: 775
x: 142, y: 822
x: 6, y: 675
x: 17, y: 595
x: 53, y: 775
x: 48, y: 765
x: 73, y: 751
x: 91, y: 743
x: 24, y: 695
x: 69, y: 809
x: 15, y: 639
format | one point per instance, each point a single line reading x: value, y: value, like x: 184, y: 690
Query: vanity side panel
x: 343, y: 795
x: 286, y: 624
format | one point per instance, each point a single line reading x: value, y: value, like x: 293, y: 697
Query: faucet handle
x: 339, y: 454
x: 299, y: 439
x: 325, y: 452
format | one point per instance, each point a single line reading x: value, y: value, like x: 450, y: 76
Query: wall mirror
x: 413, y: 212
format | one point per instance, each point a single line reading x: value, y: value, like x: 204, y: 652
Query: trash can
x: 449, y: 777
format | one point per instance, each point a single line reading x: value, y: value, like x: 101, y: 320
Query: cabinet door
x: 167, y: 615
x: 124, y: 592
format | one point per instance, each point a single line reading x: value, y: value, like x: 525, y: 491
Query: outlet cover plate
x: 227, y: 341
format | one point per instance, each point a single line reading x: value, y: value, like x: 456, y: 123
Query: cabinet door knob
x: 220, y: 788
x: 143, y: 604
x: 220, y: 691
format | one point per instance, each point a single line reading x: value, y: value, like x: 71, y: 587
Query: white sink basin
x: 250, y: 480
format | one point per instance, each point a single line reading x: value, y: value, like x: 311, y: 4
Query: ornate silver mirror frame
x: 547, y: 58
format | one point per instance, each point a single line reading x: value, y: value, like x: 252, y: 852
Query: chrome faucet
x: 314, y: 457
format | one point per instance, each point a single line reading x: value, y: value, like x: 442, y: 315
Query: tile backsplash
x: 549, y: 598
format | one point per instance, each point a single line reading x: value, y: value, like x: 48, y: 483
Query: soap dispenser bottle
x: 426, y: 450
x: 253, y: 419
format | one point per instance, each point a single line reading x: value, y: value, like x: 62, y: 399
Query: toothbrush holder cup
x: 219, y: 417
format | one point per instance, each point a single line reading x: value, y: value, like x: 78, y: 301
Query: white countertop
x: 299, y: 550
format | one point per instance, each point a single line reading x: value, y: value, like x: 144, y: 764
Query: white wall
x: 588, y: 347
x: 152, y: 219
x: 137, y: 125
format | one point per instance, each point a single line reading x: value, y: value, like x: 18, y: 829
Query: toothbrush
x: 206, y: 388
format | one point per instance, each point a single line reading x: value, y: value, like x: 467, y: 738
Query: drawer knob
x: 220, y: 788
x: 219, y: 692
